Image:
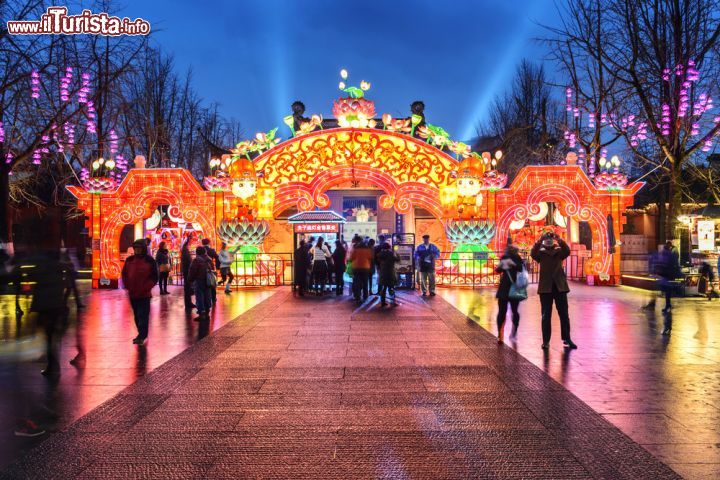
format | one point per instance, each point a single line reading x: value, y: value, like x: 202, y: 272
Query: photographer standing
x: 550, y: 252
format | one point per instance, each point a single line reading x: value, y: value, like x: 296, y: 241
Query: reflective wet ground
x: 662, y: 391
x: 113, y: 362
x: 315, y: 388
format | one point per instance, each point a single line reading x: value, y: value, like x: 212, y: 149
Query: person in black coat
x: 185, y: 261
x: 387, y: 275
x: 339, y: 265
x: 301, y: 265
x: 509, y: 266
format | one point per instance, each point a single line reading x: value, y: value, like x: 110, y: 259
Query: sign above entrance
x: 316, y: 228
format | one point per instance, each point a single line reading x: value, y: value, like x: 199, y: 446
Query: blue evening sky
x: 256, y: 57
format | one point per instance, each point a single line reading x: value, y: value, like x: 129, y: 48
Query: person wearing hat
x: 425, y: 255
x: 550, y: 252
x: 139, y: 276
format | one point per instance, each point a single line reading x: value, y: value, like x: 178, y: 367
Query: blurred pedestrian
x: 425, y: 255
x: 185, y: 261
x: 49, y: 276
x: 373, y: 265
x: 550, y: 252
x: 339, y: 266
x: 387, y: 275
x: 706, y: 284
x: 201, y: 269
x: 164, y: 263
x: 213, y: 256
x: 139, y: 276
x: 509, y: 267
x: 226, y: 260
x: 669, y: 270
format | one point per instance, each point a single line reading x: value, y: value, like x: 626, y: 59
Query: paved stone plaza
x: 313, y: 388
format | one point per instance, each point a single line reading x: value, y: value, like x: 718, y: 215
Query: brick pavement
x: 314, y: 389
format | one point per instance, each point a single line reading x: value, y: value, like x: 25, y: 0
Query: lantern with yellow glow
x: 265, y: 202
x: 448, y: 200
x: 469, y: 184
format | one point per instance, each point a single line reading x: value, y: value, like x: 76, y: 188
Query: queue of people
x: 318, y: 269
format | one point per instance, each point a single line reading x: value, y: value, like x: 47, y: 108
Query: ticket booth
x: 317, y: 223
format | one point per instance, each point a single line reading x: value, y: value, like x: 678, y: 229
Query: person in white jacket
x: 226, y: 260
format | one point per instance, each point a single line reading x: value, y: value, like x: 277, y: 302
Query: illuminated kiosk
x: 317, y: 223
x: 252, y: 194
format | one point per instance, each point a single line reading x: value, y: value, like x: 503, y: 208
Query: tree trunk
x: 674, y: 202
x: 5, y: 217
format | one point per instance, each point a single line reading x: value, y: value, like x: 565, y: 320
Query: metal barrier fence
x: 261, y: 270
x: 451, y: 269
x: 473, y: 270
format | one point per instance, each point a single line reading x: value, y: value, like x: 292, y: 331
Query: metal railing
x: 262, y: 270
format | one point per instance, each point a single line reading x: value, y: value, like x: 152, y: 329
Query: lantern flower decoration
x: 100, y: 179
x: 218, y: 180
x: 265, y: 141
x: 460, y: 149
x: 354, y: 110
x: 307, y: 127
x: 240, y: 232
x: 470, y: 231
x: 401, y: 125
x: 434, y: 135
x: 610, y: 177
x: 243, y: 149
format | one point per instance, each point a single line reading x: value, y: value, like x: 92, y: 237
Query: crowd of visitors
x: 318, y: 269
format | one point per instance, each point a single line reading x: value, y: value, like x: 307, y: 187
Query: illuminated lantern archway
x: 574, y: 194
x: 138, y: 195
x: 408, y: 170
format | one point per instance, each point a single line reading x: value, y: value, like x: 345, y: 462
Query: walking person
x: 320, y: 255
x: 226, y: 260
x: 339, y: 266
x: 301, y: 263
x: 361, y: 258
x: 139, y: 276
x: 509, y: 266
x: 185, y: 261
x: 213, y: 256
x: 668, y: 269
x: 425, y: 255
x: 162, y: 258
x: 387, y: 275
x: 376, y: 250
x: 550, y: 252
x: 200, y: 270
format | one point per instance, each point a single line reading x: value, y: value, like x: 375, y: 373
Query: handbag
x: 516, y: 292
x: 211, y: 279
x: 522, y: 280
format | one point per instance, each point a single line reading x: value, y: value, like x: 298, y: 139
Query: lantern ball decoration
x: 139, y: 161
x: 571, y: 158
x: 610, y: 177
x: 243, y: 232
x: 470, y: 231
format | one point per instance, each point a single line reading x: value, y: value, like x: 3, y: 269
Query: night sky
x: 256, y: 57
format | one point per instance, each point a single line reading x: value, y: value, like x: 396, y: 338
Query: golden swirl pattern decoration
x: 404, y: 158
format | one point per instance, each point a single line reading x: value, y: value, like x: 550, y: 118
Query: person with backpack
x: 225, y: 258
x: 511, y: 289
x: 162, y: 258
x: 213, y: 256
x: 139, y: 276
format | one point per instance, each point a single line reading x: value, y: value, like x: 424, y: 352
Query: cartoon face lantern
x: 244, y: 183
x: 469, y: 179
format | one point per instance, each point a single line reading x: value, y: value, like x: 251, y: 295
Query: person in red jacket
x: 139, y: 276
